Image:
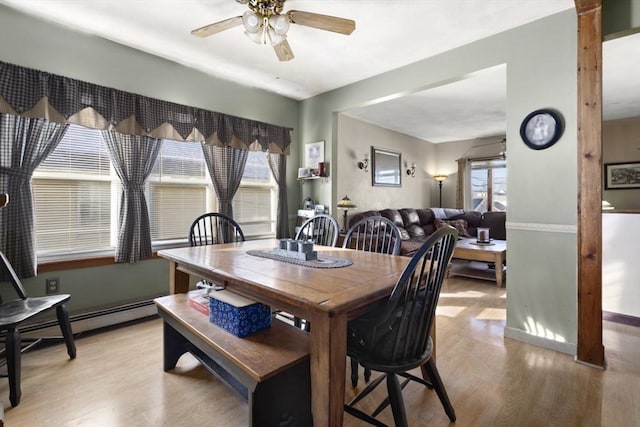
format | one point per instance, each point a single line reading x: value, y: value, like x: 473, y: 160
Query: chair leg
x: 397, y: 403
x: 14, y: 364
x: 354, y: 372
x: 367, y: 374
x: 65, y: 327
x: 430, y: 370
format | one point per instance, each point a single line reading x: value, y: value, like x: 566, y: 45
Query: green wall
x: 41, y: 45
x: 541, y: 72
x: 95, y: 288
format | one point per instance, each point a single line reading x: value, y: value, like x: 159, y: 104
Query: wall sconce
x: 440, y: 178
x: 412, y: 170
x: 364, y: 165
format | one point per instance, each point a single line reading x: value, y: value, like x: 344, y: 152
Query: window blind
x: 72, y: 195
x: 179, y: 188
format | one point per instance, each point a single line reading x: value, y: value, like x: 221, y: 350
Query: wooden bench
x: 269, y: 369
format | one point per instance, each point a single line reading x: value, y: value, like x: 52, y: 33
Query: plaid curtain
x: 33, y: 93
x: 24, y: 144
x: 278, y: 166
x: 133, y: 158
x: 226, y: 166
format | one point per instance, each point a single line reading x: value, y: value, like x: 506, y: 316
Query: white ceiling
x: 388, y: 35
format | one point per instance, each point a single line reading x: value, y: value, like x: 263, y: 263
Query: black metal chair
x: 321, y: 229
x: 14, y: 313
x: 393, y: 337
x: 372, y: 234
x: 213, y: 228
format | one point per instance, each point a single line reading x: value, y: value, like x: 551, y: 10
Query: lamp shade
x: 440, y: 178
x: 346, y: 203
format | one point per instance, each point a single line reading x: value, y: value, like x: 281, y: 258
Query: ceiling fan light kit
x: 265, y: 24
x: 263, y: 30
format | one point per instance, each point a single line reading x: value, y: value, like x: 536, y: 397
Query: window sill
x: 104, y: 258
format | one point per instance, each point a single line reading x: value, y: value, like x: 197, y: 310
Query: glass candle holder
x: 483, y: 235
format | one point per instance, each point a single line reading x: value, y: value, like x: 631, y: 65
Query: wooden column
x: 590, y: 348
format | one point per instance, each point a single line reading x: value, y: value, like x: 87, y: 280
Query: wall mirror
x: 385, y: 169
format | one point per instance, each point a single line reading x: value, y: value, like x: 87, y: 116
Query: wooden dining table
x: 327, y: 297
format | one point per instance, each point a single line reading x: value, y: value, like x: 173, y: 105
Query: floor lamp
x: 440, y: 179
x: 345, y: 204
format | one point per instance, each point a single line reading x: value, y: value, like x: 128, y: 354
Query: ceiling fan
x: 265, y: 23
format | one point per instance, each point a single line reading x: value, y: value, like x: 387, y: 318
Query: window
x: 77, y: 194
x: 255, y: 202
x: 73, y: 192
x: 179, y: 190
x: 489, y: 185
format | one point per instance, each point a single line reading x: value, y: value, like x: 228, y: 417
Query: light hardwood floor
x: 117, y: 378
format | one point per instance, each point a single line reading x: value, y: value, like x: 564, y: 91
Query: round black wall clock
x: 541, y: 129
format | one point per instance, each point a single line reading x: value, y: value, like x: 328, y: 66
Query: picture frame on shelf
x: 622, y: 176
x: 303, y: 173
x: 313, y: 155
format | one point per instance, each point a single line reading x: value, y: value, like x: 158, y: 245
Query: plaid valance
x: 38, y: 94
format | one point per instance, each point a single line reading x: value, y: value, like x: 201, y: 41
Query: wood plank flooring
x: 117, y: 378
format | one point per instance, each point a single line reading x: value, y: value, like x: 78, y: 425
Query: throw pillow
x: 459, y: 224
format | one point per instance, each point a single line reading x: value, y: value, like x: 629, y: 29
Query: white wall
x: 541, y: 61
x: 620, y: 269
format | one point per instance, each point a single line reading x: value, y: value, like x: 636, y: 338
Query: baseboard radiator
x: 98, y: 319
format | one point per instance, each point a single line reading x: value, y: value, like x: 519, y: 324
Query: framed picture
x: 542, y: 128
x: 385, y: 167
x: 619, y: 176
x: 313, y: 154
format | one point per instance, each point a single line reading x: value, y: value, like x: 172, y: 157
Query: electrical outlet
x: 53, y: 286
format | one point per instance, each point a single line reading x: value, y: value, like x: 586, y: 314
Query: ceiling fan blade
x: 217, y: 27
x: 322, y: 22
x: 283, y: 50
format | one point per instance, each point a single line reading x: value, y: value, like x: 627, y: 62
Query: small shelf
x: 314, y: 178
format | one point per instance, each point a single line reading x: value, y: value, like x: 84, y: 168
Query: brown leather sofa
x: 417, y: 224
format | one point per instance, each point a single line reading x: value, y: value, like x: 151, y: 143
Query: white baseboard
x: 96, y: 320
x: 520, y: 335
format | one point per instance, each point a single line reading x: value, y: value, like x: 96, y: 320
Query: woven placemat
x: 324, y: 261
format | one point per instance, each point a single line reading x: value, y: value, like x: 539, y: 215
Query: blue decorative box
x: 237, y: 314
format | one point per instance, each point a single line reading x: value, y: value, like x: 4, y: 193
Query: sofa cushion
x: 429, y: 228
x: 446, y: 213
x: 409, y: 217
x: 473, y: 218
x: 426, y: 217
x: 357, y: 217
x: 410, y: 246
x: 495, y: 221
x: 415, y: 230
x: 458, y: 224
x: 394, y: 216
